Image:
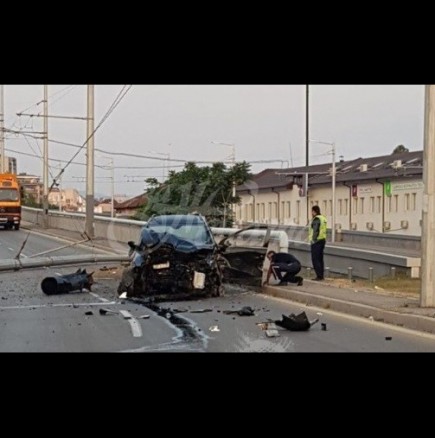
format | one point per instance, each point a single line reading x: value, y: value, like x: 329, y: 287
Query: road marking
x: 39, y: 306
x: 136, y: 328
x: 98, y: 297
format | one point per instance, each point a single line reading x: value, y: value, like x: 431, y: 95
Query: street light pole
x: 89, y: 223
x: 45, y: 160
x: 2, y: 130
x: 233, y: 161
x: 427, y: 297
x: 333, y: 177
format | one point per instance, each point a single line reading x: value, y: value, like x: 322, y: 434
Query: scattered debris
x: 89, y: 312
x: 272, y: 333
x: 123, y: 295
x: 180, y: 310
x: 144, y: 316
x: 323, y: 326
x: 244, y: 311
x: 201, y: 310
x: 214, y: 328
x: 296, y: 323
x: 379, y: 288
x: 371, y: 318
x: 388, y: 338
x: 64, y: 284
x: 319, y: 313
x: 106, y: 311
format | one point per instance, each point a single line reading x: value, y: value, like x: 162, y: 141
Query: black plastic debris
x: 201, y: 310
x: 388, y: 338
x: 244, y: 311
x: 296, y: 323
x: 323, y: 326
x: 64, y: 284
x: 106, y: 311
x: 89, y: 312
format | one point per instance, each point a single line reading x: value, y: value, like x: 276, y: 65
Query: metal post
x: 307, y: 130
x: 89, y: 225
x: 112, y: 212
x: 60, y: 186
x: 371, y: 275
x: 2, y: 130
x: 233, y: 206
x: 427, y: 298
x: 327, y: 272
x: 45, y: 161
x: 333, y: 194
x: 393, y: 272
x: 349, y: 272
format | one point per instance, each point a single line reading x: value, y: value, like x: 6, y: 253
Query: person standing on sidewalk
x: 283, y: 262
x: 317, y: 238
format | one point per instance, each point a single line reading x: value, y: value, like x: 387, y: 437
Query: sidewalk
x: 379, y: 305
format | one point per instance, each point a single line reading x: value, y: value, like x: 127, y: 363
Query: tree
x: 206, y: 190
x: 400, y: 149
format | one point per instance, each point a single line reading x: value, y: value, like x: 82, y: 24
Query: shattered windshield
x: 187, y: 228
x: 9, y: 195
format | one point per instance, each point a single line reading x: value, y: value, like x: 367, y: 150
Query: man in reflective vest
x: 317, y: 238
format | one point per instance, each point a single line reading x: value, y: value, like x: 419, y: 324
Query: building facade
x: 379, y: 194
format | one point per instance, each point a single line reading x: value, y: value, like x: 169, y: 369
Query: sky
x: 184, y: 122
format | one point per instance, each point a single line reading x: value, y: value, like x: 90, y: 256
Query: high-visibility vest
x: 322, y: 230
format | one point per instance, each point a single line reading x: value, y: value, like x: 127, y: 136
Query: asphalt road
x: 31, y: 321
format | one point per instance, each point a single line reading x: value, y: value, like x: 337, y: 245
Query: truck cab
x: 10, y: 201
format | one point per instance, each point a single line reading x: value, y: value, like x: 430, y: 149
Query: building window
x: 324, y: 207
x: 346, y: 202
x: 330, y: 205
x: 340, y: 206
x: 298, y: 209
x: 372, y: 204
x: 396, y: 204
x: 361, y: 205
x: 282, y: 212
x: 389, y: 204
x: 355, y: 206
x: 269, y: 213
x: 414, y: 202
x: 379, y: 204
x: 407, y: 205
x: 289, y: 210
x: 257, y: 215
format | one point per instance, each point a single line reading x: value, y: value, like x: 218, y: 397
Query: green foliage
x: 399, y: 149
x: 206, y: 190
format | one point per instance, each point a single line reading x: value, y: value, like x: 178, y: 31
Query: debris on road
x: 323, y: 326
x: 89, y: 312
x: 272, y: 333
x: 296, y: 323
x: 63, y: 284
x: 144, y: 316
x: 244, y: 311
x: 123, y: 295
x: 106, y: 311
x: 201, y: 310
x: 388, y: 338
x: 214, y: 328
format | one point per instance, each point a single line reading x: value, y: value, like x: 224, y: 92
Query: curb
x: 413, y: 322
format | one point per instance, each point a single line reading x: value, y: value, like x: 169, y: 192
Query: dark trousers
x: 290, y: 269
x: 317, y: 250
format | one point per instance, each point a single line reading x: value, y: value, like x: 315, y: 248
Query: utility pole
x: 45, y: 161
x: 60, y: 186
x: 112, y: 211
x: 333, y: 195
x: 89, y: 224
x: 427, y: 297
x: 307, y: 126
x: 2, y: 130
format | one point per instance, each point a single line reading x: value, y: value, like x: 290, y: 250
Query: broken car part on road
x: 63, y: 284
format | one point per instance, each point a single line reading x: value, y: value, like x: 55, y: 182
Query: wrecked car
x: 176, y: 256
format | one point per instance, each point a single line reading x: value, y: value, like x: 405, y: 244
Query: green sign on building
x: 387, y: 188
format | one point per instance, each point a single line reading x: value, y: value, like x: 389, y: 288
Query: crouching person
x: 288, y: 264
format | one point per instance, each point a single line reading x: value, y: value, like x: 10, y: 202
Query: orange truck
x: 10, y: 201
